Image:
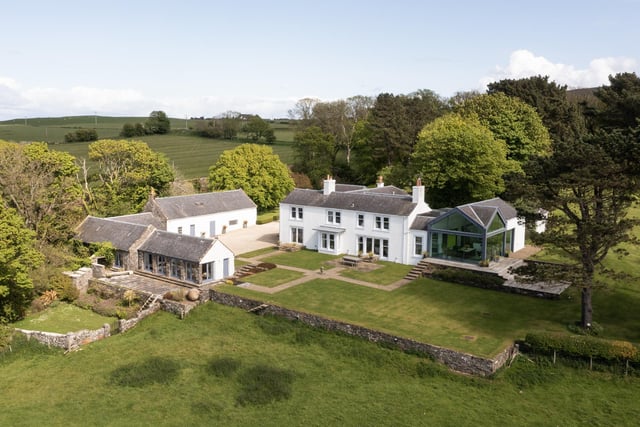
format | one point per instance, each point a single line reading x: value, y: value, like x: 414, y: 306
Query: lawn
x: 468, y: 319
x: 63, y: 318
x: 223, y: 366
x: 307, y: 259
x: 257, y: 252
x: 274, y: 277
x: 386, y: 274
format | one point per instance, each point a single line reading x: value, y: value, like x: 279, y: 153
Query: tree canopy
x: 460, y: 161
x: 313, y: 152
x: 255, y: 169
x: 18, y: 257
x: 42, y: 186
x: 158, y: 122
x: 512, y: 121
x: 127, y: 171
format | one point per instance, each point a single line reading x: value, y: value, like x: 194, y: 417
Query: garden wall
x: 457, y: 361
x: 70, y: 340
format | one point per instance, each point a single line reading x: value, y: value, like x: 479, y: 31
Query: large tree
x: 313, y: 152
x: 158, y: 122
x: 588, y: 186
x: 18, y: 257
x: 126, y: 173
x: 511, y: 120
x: 460, y: 161
x: 255, y: 169
x: 41, y: 184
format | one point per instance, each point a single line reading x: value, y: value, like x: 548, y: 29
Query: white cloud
x: 523, y: 64
x: 18, y: 102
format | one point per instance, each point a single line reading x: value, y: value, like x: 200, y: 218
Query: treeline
x: 231, y: 124
x: 157, y: 123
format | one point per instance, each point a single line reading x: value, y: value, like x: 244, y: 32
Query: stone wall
x: 455, y: 360
x: 80, y: 278
x: 126, y: 324
x: 70, y: 340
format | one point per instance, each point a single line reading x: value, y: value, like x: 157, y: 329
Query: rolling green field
x: 223, y: 366
x: 191, y: 155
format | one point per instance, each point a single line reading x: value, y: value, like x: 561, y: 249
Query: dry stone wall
x: 70, y: 340
x: 455, y: 360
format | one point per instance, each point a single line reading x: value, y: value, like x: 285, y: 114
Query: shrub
x: 469, y: 278
x: 64, y: 287
x: 81, y: 135
x: 263, y: 384
x: 581, y: 346
x: 6, y: 336
x: 222, y: 367
x: 177, y: 295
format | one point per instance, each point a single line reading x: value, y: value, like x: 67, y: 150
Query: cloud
x: 523, y: 64
x: 18, y: 102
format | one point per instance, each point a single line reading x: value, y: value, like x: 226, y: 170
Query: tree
x: 303, y: 111
x: 460, y: 161
x: 258, y: 129
x: 510, y: 120
x: 127, y: 171
x: 587, y: 186
x: 130, y: 130
x: 158, y: 122
x: 41, y: 184
x: 255, y: 169
x: 81, y: 135
x: 18, y: 257
x: 313, y: 152
x: 620, y: 108
x: 561, y: 117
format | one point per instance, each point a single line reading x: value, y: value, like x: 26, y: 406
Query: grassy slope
x: 64, y: 318
x: 191, y: 155
x: 337, y: 380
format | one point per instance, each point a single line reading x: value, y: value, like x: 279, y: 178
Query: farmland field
x: 191, y: 155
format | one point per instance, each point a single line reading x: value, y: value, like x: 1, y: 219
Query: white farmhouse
x: 393, y: 225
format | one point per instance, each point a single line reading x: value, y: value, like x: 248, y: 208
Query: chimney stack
x: 380, y: 183
x: 417, y: 195
x: 329, y: 185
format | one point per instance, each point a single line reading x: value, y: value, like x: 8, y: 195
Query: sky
x: 194, y: 58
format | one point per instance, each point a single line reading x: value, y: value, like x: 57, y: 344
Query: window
x: 233, y: 222
x: 333, y: 217
x: 175, y: 269
x: 192, y: 271
x: 369, y: 245
x: 192, y: 230
x: 360, y: 220
x: 162, y: 265
x: 207, y: 271
x: 418, y: 249
x: 117, y: 261
x: 148, y: 261
x: 179, y: 230
x: 296, y: 213
x: 296, y: 235
x: 382, y: 222
x: 328, y: 241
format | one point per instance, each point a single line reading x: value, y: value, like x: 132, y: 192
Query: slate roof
x: 483, y: 211
x: 203, y: 204
x: 180, y: 246
x: 144, y: 218
x: 422, y: 220
x: 367, y: 200
x: 122, y: 235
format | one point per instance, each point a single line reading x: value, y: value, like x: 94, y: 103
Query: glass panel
x: 456, y: 222
x: 496, y: 224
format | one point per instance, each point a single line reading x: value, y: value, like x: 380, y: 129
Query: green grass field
x: 223, y: 366
x: 191, y: 155
x: 64, y: 318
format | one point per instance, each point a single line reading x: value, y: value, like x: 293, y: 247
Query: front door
x: 225, y: 267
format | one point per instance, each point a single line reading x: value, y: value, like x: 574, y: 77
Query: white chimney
x: 417, y: 194
x: 380, y: 183
x: 329, y: 185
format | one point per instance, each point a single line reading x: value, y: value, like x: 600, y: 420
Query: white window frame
x: 297, y: 235
x: 334, y: 217
x: 360, y: 221
x: 418, y: 245
x: 296, y: 212
x: 382, y: 223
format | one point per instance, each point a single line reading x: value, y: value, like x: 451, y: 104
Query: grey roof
x: 203, y: 204
x: 180, y: 246
x: 484, y: 211
x: 144, y: 218
x: 362, y: 201
x: 387, y: 189
x: 349, y: 187
x: 422, y: 220
x: 122, y: 235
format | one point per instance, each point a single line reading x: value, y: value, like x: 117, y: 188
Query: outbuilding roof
x: 483, y: 212
x: 122, y: 235
x: 179, y: 246
x: 202, y: 204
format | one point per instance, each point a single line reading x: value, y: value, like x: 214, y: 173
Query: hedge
x: 469, y: 278
x: 582, y: 346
